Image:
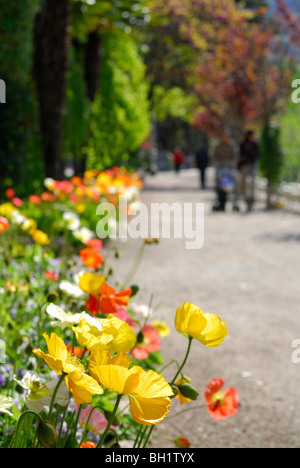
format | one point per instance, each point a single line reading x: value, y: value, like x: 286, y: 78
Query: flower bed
x: 80, y: 360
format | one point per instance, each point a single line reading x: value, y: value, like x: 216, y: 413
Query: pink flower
x: 17, y: 202
x: 122, y: 314
x: 95, y: 244
x: 97, y: 422
x: 149, y: 343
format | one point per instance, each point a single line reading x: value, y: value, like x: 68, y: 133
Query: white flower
x: 32, y: 382
x: 68, y: 319
x: 71, y: 289
x: 143, y: 310
x: 83, y: 234
x: 40, y: 393
x: 49, y: 183
x: 17, y: 218
x: 5, y: 404
x: 72, y: 219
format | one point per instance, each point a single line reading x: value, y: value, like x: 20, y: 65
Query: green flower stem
x: 115, y: 439
x: 54, y: 395
x: 144, y: 428
x: 76, y: 424
x: 61, y: 425
x: 184, y: 361
x: 148, y: 437
x: 168, y: 365
x: 23, y: 415
x: 186, y: 410
x: 134, y: 267
x: 137, y: 436
x: 102, y: 439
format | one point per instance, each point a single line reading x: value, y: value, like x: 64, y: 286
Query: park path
x: 247, y: 272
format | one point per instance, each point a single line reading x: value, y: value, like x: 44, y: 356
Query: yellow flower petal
x: 192, y: 322
x: 83, y: 387
x: 90, y: 283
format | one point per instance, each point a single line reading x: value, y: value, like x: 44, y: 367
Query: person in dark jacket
x: 249, y: 156
x: 202, y: 161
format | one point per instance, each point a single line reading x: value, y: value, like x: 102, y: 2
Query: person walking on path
x: 249, y: 156
x: 225, y: 162
x: 202, y: 161
x: 178, y: 158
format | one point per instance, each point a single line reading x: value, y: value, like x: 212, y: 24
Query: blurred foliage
x: 149, y: 63
x: 290, y: 141
x: 271, y: 154
x: 19, y: 141
x: 120, y: 119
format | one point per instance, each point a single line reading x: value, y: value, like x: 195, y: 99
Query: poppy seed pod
x: 115, y: 421
x: 46, y: 434
x: 189, y: 391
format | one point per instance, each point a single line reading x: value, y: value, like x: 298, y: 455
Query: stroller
x: 226, y: 187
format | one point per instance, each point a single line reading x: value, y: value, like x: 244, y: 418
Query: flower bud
x: 188, y: 391
x: 52, y: 296
x: 46, y: 434
x: 181, y: 442
x: 115, y: 421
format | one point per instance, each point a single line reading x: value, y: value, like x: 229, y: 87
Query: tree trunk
x: 92, y: 64
x: 50, y: 71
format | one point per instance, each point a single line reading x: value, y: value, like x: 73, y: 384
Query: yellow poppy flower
x: 148, y: 392
x: 82, y: 386
x: 192, y: 322
x: 102, y: 357
x: 162, y: 327
x: 40, y: 237
x: 6, y: 209
x: 90, y: 283
x: 112, y: 334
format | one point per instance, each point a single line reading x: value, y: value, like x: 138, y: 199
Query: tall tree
x: 50, y: 70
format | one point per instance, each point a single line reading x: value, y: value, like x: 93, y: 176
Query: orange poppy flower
x: 91, y: 258
x: 35, y: 199
x: 221, y: 403
x: 88, y: 444
x: 108, y: 300
x: 4, y: 224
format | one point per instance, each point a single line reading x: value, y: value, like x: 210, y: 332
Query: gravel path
x: 248, y: 273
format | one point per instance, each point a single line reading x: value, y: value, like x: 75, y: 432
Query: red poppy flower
x: 51, y: 275
x: 149, y: 344
x: 10, y: 193
x: 91, y: 258
x: 221, y: 403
